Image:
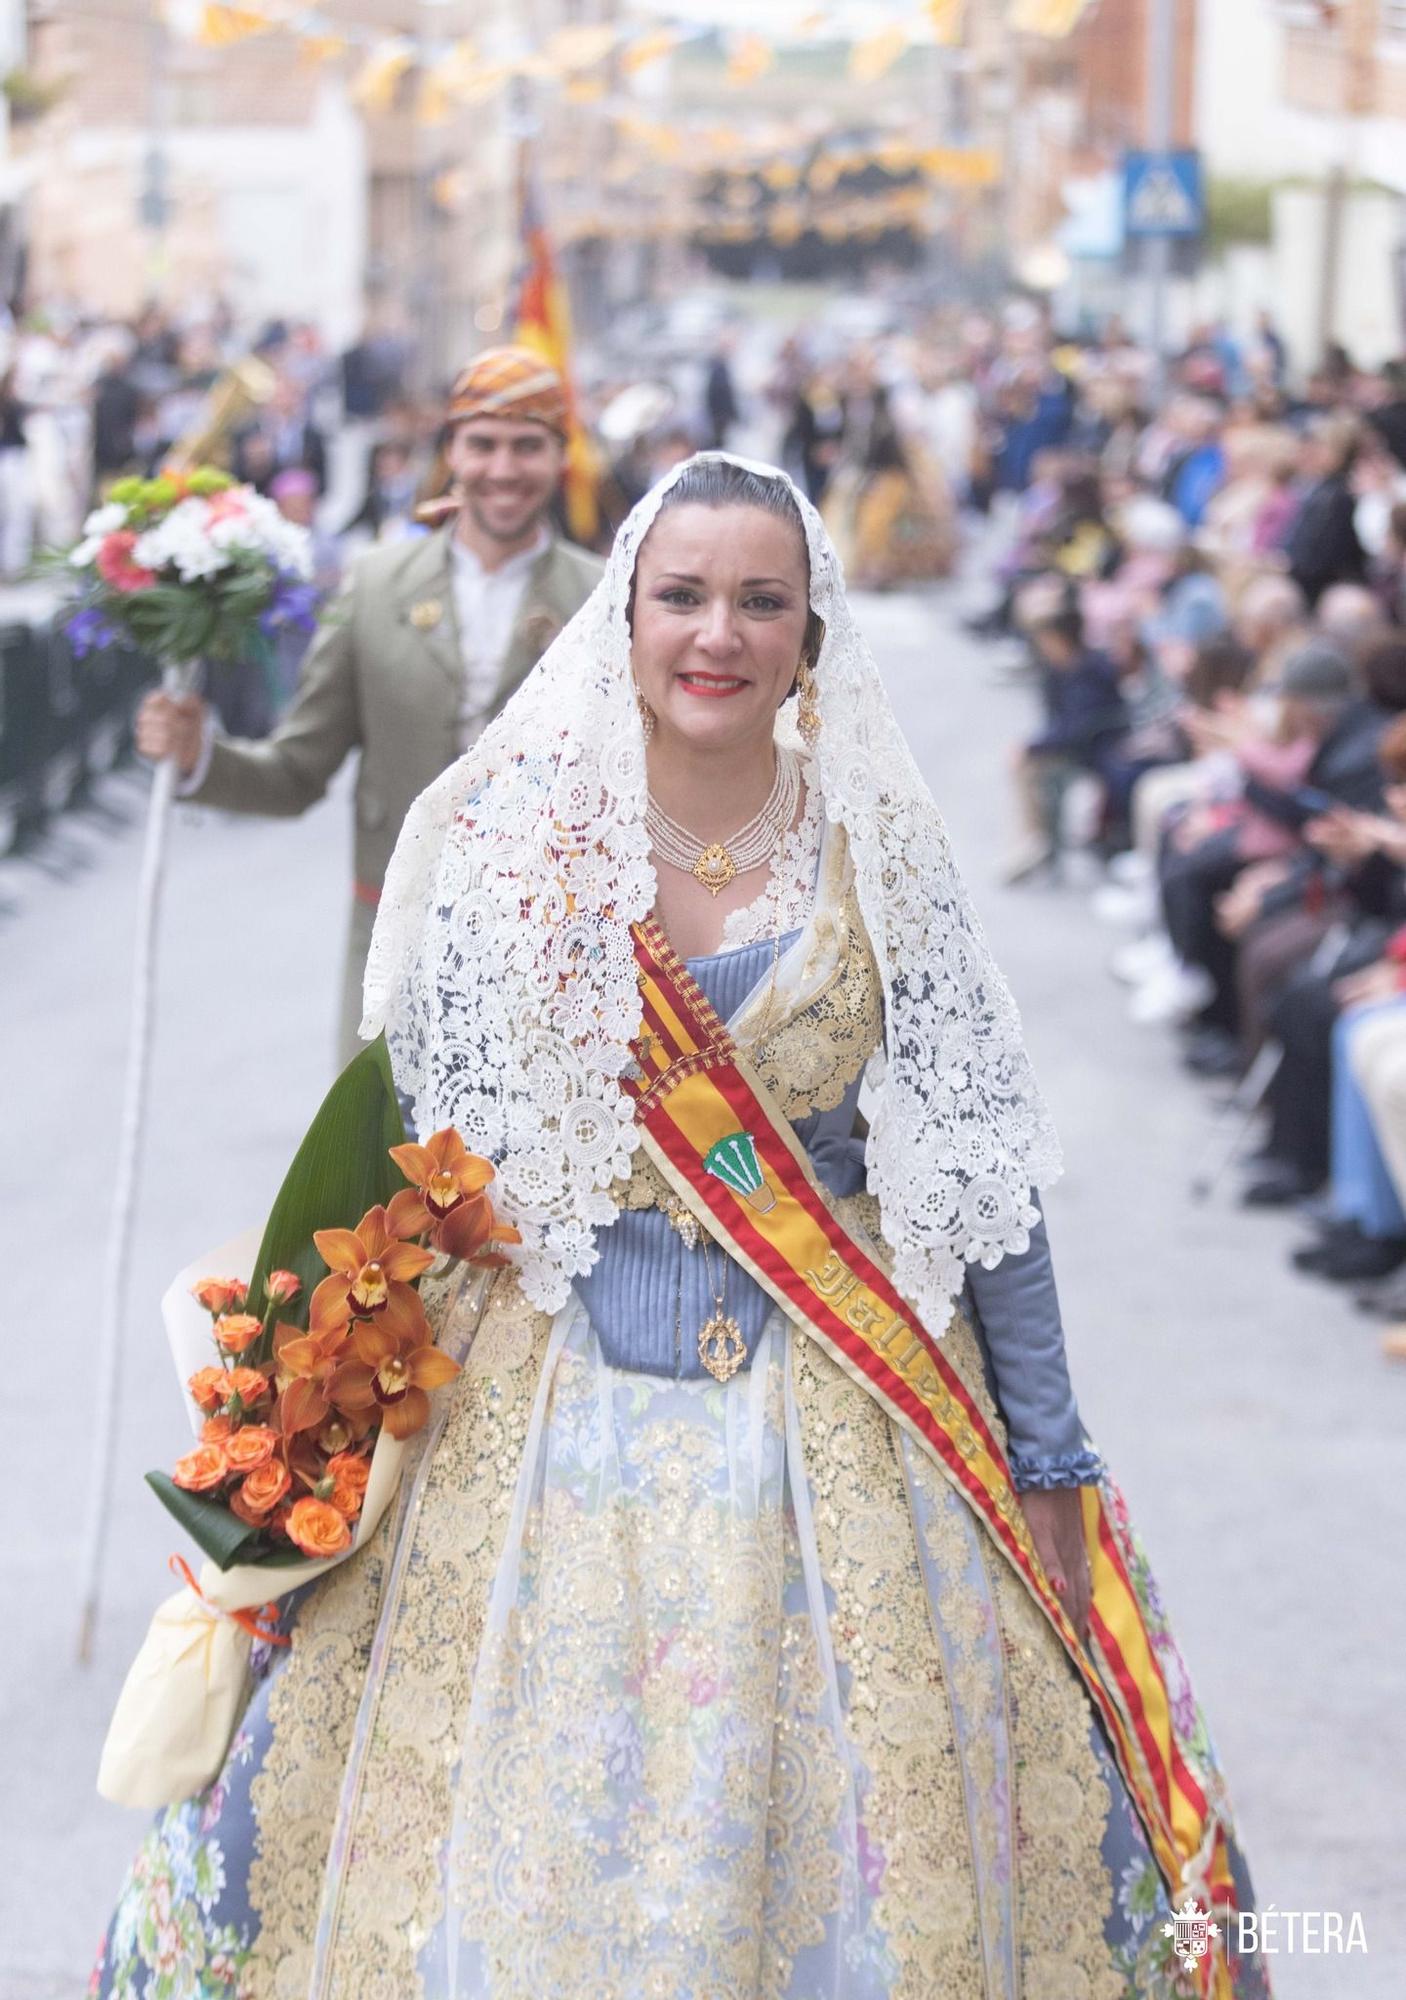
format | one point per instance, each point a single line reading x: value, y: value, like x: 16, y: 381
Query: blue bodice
x: 649, y: 1293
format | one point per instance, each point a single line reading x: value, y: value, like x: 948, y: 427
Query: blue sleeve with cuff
x: 1022, y: 1335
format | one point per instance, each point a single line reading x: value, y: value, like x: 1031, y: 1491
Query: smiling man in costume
x: 426, y: 643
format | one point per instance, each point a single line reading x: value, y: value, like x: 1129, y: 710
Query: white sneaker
x: 1173, y: 995
x: 1135, y: 963
x: 1134, y: 906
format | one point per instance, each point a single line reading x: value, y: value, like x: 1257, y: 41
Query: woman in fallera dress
x: 736, y: 1632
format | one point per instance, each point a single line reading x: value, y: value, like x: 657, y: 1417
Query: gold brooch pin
x: 425, y: 615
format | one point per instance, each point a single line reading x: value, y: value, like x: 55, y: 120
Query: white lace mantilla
x: 502, y: 970
x: 784, y: 901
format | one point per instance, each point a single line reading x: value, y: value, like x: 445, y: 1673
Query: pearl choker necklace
x: 716, y: 863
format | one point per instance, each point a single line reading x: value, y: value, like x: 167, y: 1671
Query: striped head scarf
x: 510, y: 382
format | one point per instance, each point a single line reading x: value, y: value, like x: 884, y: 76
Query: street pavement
x: 1248, y: 1415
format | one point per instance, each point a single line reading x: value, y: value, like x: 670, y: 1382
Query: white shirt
x: 486, y: 607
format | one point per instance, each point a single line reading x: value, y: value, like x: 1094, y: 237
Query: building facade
x: 255, y: 174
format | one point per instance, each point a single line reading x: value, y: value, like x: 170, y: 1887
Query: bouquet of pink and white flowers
x: 189, y: 566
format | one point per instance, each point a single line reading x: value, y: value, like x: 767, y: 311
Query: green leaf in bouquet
x: 215, y: 1530
x: 341, y: 1169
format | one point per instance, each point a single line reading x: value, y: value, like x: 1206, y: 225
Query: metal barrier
x: 63, y: 722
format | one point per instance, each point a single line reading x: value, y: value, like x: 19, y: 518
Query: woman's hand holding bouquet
x: 292, y: 1409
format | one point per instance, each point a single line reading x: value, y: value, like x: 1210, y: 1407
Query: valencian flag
x: 544, y: 324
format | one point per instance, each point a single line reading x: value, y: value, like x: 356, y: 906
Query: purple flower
x: 293, y: 603
x: 89, y: 631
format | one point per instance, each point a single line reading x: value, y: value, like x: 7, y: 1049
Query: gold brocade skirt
x: 707, y: 1691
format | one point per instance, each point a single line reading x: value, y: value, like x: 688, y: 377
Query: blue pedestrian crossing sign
x: 1163, y: 194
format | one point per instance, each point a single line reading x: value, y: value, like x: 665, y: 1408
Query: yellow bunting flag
x: 1047, y: 17
x: 876, y: 54
x: 579, y: 47
x: 946, y: 18
x: 221, y: 26
x: 650, y: 48
x: 458, y: 69
x: 961, y: 166
x: 485, y: 81
x: 320, y: 48
x: 432, y: 105
x: 749, y: 58
x: 373, y: 87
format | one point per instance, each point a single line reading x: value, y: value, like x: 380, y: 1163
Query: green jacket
x: 384, y: 676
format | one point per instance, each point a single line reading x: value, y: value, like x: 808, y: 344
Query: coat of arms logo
x: 1191, y: 1931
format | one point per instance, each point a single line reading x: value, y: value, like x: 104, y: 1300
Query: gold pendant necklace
x: 716, y: 863
x: 721, y: 1348
x: 714, y: 868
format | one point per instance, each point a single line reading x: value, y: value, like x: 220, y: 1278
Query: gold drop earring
x: 646, y: 714
x: 807, y: 703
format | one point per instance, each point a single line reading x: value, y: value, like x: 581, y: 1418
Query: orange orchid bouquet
x: 294, y: 1404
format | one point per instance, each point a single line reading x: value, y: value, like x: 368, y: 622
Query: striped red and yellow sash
x: 718, y: 1137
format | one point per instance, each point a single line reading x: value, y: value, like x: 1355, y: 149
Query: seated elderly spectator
x: 1351, y: 617
x: 1325, y: 749
x: 1363, y: 1235
x: 1361, y: 885
x: 1269, y: 622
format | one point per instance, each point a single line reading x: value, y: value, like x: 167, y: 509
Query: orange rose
x: 251, y: 1385
x: 250, y: 1447
x: 346, y: 1498
x: 206, y: 1387
x: 220, y: 1295
x: 317, y: 1528
x: 282, y: 1286
x: 261, y: 1492
x: 236, y: 1331
x: 215, y: 1430
x: 202, y: 1469
x: 351, y: 1466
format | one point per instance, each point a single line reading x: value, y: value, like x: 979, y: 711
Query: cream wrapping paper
x: 186, y: 1689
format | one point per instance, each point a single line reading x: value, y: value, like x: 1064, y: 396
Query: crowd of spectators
x: 1204, y: 580
x: 85, y: 401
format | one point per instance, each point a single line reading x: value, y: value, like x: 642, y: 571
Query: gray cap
x: 1318, y: 672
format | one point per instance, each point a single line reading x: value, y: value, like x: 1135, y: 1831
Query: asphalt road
x: 1248, y: 1415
